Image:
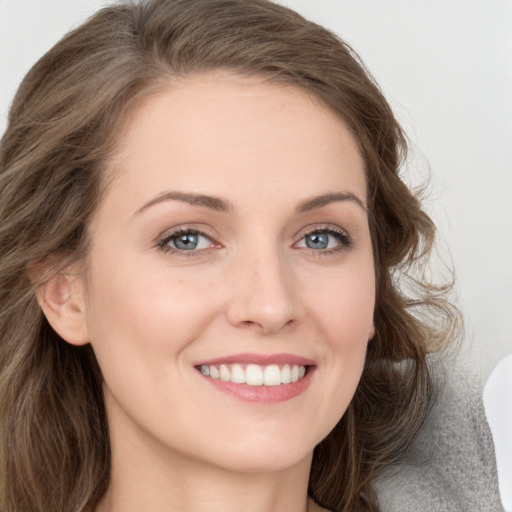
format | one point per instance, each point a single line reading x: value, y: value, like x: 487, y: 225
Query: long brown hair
x: 54, y: 444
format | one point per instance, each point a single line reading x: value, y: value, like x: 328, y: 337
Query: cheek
x: 147, y: 315
x: 344, y: 306
x: 141, y: 329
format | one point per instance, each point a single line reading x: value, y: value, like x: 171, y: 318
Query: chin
x: 263, y: 452
x: 267, y: 462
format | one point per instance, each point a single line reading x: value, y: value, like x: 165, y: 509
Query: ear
x: 62, y: 299
x: 371, y: 332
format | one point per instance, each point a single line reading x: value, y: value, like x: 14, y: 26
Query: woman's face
x: 232, y: 245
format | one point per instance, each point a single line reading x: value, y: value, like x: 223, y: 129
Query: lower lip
x: 263, y: 394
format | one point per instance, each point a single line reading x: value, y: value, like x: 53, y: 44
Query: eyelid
x: 321, y: 226
x: 164, y: 238
x: 345, y: 240
x: 186, y: 227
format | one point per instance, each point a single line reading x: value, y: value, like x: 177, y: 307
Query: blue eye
x: 186, y: 240
x: 318, y: 241
x: 325, y: 240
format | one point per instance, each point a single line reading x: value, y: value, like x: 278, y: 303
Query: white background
x: 446, y: 67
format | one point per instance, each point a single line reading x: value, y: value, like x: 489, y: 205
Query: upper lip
x: 259, y: 359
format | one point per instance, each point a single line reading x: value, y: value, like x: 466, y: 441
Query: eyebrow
x: 326, y: 199
x: 213, y: 203
x: 222, y: 205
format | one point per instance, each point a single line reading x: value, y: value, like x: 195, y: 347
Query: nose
x: 264, y: 297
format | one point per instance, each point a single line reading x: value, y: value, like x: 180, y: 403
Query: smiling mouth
x: 254, y: 374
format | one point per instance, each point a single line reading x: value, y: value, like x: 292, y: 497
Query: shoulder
x: 451, y: 467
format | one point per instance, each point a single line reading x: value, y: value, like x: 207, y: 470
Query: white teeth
x: 237, y: 374
x: 272, y: 375
x: 286, y: 374
x: 254, y: 374
x: 224, y: 372
x: 214, y: 372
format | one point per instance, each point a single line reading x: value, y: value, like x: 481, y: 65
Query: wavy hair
x: 62, y: 127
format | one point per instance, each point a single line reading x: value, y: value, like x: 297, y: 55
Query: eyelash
x: 344, y: 239
x: 163, y: 244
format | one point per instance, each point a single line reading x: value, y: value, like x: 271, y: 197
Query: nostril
x: 251, y: 325
x: 265, y: 327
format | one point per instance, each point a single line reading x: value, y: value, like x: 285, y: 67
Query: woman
x: 212, y: 287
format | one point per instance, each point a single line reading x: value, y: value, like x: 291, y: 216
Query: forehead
x: 223, y: 133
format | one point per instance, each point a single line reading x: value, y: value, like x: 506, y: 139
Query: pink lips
x: 261, y: 394
x: 261, y: 359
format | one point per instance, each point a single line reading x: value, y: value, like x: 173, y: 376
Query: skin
x: 151, y: 311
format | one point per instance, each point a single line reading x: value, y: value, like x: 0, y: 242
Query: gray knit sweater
x: 451, y: 467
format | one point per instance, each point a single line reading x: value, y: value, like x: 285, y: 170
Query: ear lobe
x: 62, y: 300
x: 371, y: 333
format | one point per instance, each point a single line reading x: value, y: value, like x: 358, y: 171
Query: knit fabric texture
x: 452, y: 466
